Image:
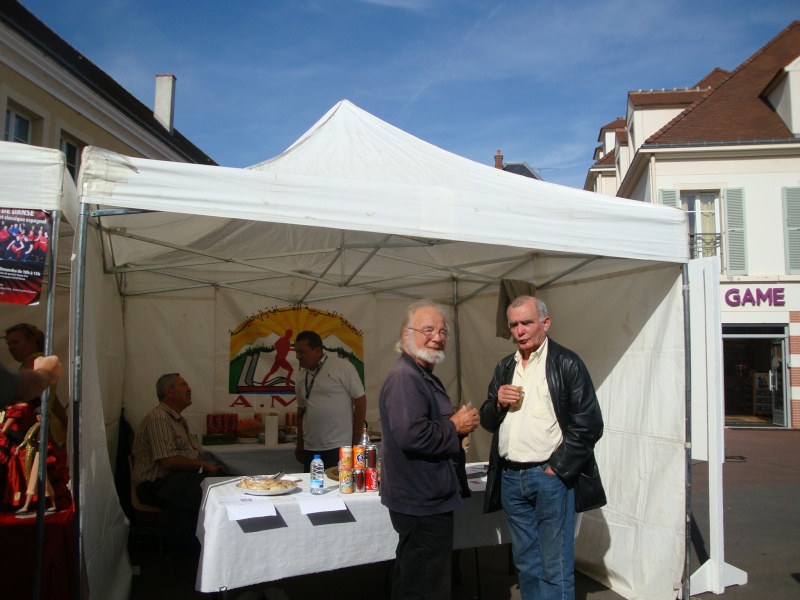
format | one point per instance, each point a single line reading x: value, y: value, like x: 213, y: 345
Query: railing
x: 703, y: 245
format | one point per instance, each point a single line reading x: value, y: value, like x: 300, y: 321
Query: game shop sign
x: 771, y: 296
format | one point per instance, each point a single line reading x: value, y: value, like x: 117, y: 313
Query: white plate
x: 242, y: 440
x: 268, y: 492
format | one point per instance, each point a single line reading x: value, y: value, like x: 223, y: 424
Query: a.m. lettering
x: 281, y: 401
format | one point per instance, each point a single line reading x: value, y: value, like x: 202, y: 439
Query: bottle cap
x: 316, y: 456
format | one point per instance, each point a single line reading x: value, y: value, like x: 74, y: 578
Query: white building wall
x: 644, y: 122
x: 762, y: 179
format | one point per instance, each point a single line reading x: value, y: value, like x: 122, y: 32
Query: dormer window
x: 783, y: 94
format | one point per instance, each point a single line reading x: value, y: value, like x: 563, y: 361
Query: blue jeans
x: 540, y: 511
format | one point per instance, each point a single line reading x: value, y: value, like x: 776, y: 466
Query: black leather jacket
x: 576, y: 408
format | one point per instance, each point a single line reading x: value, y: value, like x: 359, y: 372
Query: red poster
x: 24, y: 240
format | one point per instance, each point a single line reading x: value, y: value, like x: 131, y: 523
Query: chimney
x: 498, y: 160
x: 164, y: 110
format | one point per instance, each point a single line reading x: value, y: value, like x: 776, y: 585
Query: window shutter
x: 734, y: 232
x: 791, y: 223
x: 668, y: 198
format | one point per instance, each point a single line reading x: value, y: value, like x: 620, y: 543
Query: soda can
x: 346, y: 458
x: 218, y: 423
x: 372, y: 457
x: 346, y: 482
x: 358, y: 481
x: 210, y: 424
x: 371, y: 476
x: 234, y: 423
x: 359, y: 457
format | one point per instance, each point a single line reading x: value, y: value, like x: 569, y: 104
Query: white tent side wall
x: 105, y: 527
x: 628, y: 330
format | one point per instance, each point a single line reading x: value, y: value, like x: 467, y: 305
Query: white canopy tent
x: 358, y: 217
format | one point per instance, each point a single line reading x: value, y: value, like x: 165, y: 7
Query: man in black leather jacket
x: 544, y: 414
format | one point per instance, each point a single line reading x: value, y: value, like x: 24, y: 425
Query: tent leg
x: 715, y: 574
x: 77, y: 390
x: 685, y: 584
x: 41, y: 475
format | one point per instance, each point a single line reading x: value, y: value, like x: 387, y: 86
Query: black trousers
x: 423, y: 560
x: 179, y: 495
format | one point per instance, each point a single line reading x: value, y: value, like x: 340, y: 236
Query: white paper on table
x: 242, y: 507
x: 310, y: 503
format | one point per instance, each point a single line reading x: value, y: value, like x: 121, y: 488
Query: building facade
x: 53, y: 97
x: 727, y: 151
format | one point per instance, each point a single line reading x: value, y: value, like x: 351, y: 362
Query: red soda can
x: 210, y: 424
x: 346, y: 481
x: 372, y: 457
x: 359, y: 457
x: 234, y: 423
x: 358, y: 481
x: 224, y: 419
x: 371, y: 476
x: 346, y: 458
x: 218, y: 423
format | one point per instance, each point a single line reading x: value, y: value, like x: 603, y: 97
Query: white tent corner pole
x: 41, y: 474
x: 685, y: 583
x: 715, y: 574
x: 77, y: 400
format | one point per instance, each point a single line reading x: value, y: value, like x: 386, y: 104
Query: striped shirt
x: 162, y: 434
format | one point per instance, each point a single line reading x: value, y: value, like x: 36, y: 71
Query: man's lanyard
x: 314, y: 377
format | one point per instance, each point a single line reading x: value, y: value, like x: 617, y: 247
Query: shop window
x: 18, y: 127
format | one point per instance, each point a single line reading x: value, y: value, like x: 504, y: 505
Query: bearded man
x: 421, y: 450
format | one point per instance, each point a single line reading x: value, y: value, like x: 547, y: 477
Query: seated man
x: 168, y: 463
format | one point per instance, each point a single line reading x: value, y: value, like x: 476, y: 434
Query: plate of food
x: 264, y: 485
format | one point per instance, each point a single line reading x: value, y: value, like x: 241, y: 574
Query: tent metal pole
x: 457, y: 336
x: 44, y: 427
x: 686, y: 583
x: 77, y: 392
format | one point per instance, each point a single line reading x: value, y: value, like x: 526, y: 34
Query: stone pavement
x: 761, y: 492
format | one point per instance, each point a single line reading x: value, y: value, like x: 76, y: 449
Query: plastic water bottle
x: 317, y: 475
x: 365, y: 436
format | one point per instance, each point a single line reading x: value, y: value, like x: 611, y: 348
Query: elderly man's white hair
x: 410, y: 312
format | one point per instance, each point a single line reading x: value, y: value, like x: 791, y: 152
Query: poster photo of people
x: 24, y: 241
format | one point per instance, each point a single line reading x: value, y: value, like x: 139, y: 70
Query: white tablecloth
x: 255, y: 459
x: 240, y: 553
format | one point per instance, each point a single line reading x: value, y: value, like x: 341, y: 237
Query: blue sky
x: 535, y: 79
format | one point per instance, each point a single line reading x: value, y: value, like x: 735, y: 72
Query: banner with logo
x: 262, y: 352
x: 24, y: 241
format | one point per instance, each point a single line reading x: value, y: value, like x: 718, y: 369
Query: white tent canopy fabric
x: 358, y: 217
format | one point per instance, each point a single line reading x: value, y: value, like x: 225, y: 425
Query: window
x: 18, y: 127
x: 72, y: 150
x: 704, y: 230
x: 705, y: 224
x: 703, y: 217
